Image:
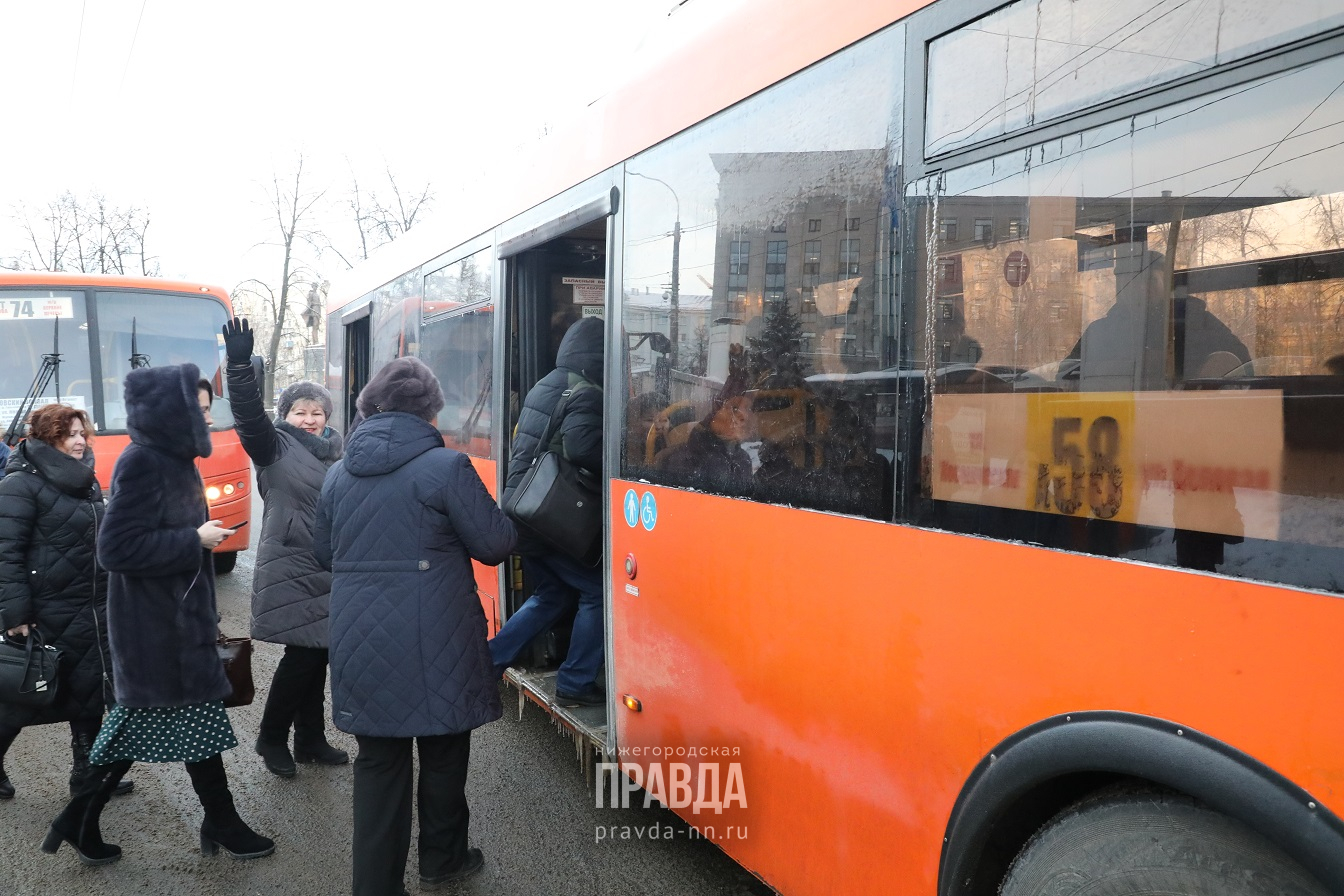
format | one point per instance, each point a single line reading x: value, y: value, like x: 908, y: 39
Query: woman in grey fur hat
x: 290, y: 590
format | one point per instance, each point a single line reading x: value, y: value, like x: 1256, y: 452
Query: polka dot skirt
x: 164, y: 734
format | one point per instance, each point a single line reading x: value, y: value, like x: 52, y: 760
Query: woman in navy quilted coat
x: 400, y: 519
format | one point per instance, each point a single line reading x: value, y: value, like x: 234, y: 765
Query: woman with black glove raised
x: 290, y: 590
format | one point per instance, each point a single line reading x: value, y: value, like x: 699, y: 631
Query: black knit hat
x: 406, y: 385
x: 302, y: 391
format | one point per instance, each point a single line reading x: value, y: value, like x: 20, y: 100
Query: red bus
x: 73, y: 338
x: 1026, y: 320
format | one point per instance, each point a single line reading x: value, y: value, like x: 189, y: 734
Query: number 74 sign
x: 43, y: 308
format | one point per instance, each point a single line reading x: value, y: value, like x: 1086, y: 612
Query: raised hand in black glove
x: 238, y: 342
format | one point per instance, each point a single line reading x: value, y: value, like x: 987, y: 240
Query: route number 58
x: 1073, y: 475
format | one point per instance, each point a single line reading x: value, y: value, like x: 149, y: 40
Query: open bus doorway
x: 548, y: 287
x: 357, y: 361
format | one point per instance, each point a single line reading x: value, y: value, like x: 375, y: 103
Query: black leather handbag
x: 236, y: 654
x: 559, y: 501
x: 28, y: 670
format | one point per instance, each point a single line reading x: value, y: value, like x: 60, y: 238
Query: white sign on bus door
x: 587, y: 290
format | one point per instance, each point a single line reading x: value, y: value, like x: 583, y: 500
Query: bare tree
x: 380, y: 216
x: 88, y: 235
x: 275, y: 306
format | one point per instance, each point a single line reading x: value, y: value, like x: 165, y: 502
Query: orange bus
x: 975, y: 434
x: 73, y: 338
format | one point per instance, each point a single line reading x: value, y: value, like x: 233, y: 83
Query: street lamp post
x: 675, y: 290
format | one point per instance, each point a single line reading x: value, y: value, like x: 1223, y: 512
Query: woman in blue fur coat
x: 162, y: 621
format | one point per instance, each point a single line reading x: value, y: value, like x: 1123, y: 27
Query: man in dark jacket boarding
x: 400, y: 519
x: 563, y: 585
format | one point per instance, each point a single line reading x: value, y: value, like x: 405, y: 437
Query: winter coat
x: 50, y: 510
x: 400, y: 519
x: 579, y: 358
x: 161, y: 611
x: 290, y: 589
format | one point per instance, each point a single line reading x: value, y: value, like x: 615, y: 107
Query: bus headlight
x: 212, y: 493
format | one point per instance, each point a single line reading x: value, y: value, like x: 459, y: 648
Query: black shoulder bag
x: 558, y: 500
x: 28, y: 670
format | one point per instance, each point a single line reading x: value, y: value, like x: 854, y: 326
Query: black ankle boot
x: 316, y: 749
x: 6, y: 788
x: 310, y: 721
x: 277, y: 758
x: 222, y: 826
x: 78, y: 822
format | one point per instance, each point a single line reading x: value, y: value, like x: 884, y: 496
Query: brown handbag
x: 236, y: 654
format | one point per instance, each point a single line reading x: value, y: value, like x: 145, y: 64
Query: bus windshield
x: 36, y: 323
x: 168, y: 329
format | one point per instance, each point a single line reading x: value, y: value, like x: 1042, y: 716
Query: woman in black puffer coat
x: 291, y: 592
x: 50, y: 509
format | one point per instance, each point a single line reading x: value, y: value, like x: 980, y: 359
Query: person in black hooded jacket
x: 563, y: 584
x: 155, y: 542
x: 50, y: 508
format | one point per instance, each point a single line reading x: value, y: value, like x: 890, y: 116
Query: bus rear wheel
x: 226, y: 562
x: 1150, y: 842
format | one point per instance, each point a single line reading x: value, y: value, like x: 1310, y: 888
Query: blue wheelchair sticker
x: 631, y: 509
x: 648, y: 511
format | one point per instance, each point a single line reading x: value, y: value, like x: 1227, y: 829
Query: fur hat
x: 302, y: 391
x: 406, y: 385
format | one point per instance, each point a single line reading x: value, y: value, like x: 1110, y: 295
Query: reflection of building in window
x: 776, y: 255
x: 945, y: 310
x: 949, y: 274
x: 849, y: 257
x: 811, y: 264
x: 831, y: 279
x: 983, y: 231
x: 1015, y: 231
x: 947, y: 230
x: 739, y: 255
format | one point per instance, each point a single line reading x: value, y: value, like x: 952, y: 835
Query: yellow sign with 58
x: 1078, y: 449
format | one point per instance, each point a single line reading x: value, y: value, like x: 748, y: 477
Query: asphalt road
x: 532, y: 814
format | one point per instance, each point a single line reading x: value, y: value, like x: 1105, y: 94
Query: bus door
x: 357, y: 359
x: 548, y: 286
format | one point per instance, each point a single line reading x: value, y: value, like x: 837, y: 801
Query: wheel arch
x: 1030, y: 776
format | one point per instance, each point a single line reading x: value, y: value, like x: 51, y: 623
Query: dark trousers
x: 383, y: 785
x: 297, y: 697
x: 562, y: 584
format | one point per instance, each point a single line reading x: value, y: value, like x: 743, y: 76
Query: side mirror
x: 660, y: 343
x: 259, y: 370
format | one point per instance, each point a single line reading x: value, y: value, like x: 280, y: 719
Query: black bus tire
x: 1149, y: 842
x: 225, y: 562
